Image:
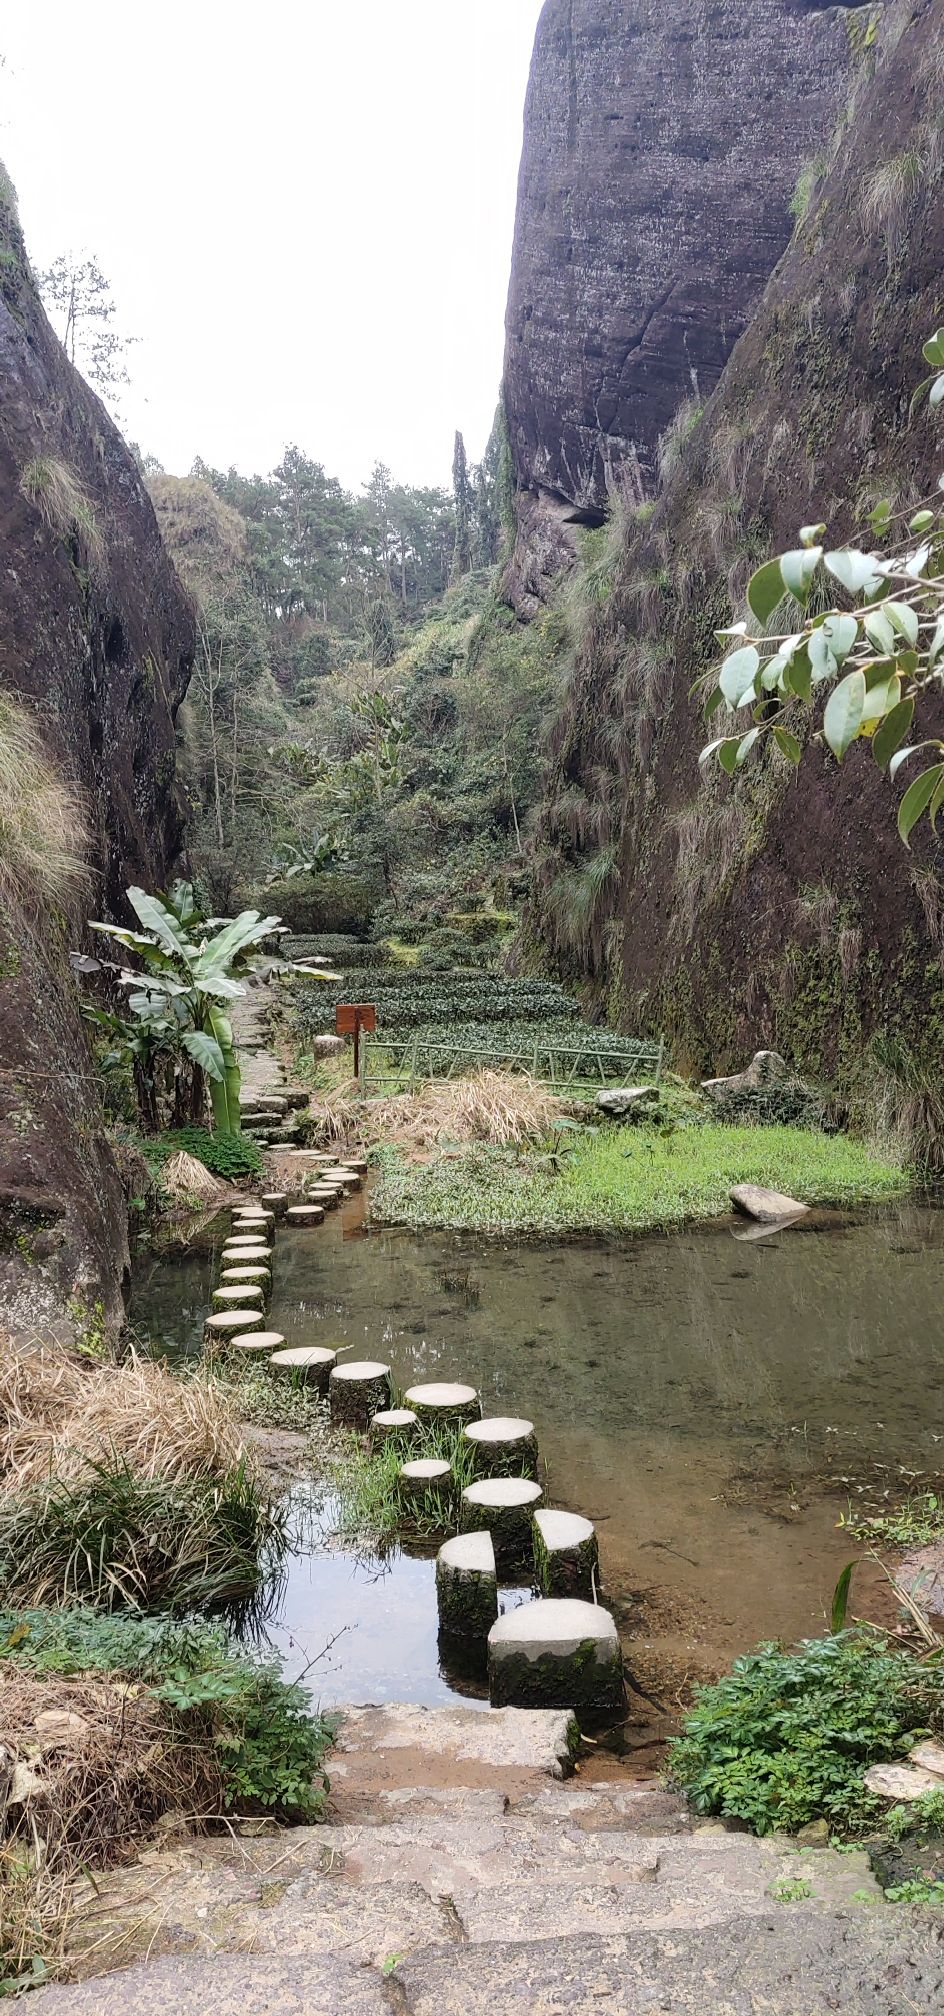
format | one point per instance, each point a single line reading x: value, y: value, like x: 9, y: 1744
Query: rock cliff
x: 779, y: 908
x: 96, y: 643
x: 663, y: 142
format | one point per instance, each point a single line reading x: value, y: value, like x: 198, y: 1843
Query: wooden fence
x: 399, y: 1062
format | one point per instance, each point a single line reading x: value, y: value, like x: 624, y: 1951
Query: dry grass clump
x: 187, y: 1181
x: 501, y: 1107
x: 59, y: 1418
x: 42, y: 833
x: 57, y: 494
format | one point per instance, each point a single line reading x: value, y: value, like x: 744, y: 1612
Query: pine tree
x: 465, y: 501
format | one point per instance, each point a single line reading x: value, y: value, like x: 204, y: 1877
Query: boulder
x: 769, y: 1207
x: 901, y: 1781
x: 629, y: 1101
x: 766, y: 1068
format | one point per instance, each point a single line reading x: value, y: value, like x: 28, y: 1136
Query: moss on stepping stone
x: 555, y: 1654
x: 445, y: 1403
x: 429, y: 1477
x: 358, y: 1391
x: 503, y: 1506
x: 264, y: 1341
x: 566, y: 1556
x: 393, y: 1425
x: 311, y: 1363
x: 503, y: 1447
x: 237, y: 1296
x: 219, y: 1327
x: 305, y: 1214
x: 254, y: 1273
x: 276, y: 1201
x: 467, y: 1586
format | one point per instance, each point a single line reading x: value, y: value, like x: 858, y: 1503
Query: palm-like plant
x: 190, y: 967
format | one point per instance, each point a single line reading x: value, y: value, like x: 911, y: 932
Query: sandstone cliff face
x: 96, y: 640
x: 779, y: 909
x: 663, y: 141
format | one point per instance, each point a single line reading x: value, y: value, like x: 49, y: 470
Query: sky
x: 305, y: 211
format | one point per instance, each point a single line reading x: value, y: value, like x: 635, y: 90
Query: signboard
x: 349, y: 1019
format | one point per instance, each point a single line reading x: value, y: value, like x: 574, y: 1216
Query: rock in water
x: 767, y: 1206
x: 566, y: 1555
x: 553, y: 1654
x: 467, y: 1586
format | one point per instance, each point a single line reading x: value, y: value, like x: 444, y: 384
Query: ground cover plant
x: 915, y: 1523
x: 627, y: 1179
x: 414, y: 1000
x: 786, y: 1736
x: 368, y: 1508
x: 138, y: 1717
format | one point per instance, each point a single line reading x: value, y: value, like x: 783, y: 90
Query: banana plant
x: 189, y: 974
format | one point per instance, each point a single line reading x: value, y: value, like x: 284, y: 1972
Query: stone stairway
x: 461, y: 1874
x: 267, y: 1101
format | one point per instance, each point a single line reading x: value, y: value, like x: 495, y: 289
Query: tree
x: 867, y: 664
x: 78, y: 296
x: 464, y: 503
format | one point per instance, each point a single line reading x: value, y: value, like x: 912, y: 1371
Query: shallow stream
x: 713, y: 1401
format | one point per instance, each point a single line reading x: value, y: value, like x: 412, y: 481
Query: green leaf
x: 798, y: 569
x: 935, y: 805
x: 798, y: 677
x: 917, y: 562
x: 937, y: 640
x: 205, y: 1052
x: 917, y: 798
x: 879, y: 631
x: 936, y: 393
x: 878, y: 519
x: 728, y: 752
x: 881, y: 698
x: 746, y: 744
x: 837, y: 1621
x: 822, y: 661
x: 844, y: 713
x: 710, y: 749
x: 904, y: 618
x: 892, y: 732
x: 787, y: 744
x: 857, y: 571
x: 765, y: 589
x: 841, y: 633
x: 933, y: 349
x: 737, y: 675
x: 155, y: 917
x: 809, y: 534
x: 921, y: 521
x: 713, y: 702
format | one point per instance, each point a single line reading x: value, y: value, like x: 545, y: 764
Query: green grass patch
x: 785, y: 1738
x: 916, y: 1523
x: 629, y: 1179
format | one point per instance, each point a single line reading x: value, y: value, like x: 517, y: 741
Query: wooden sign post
x: 350, y: 1019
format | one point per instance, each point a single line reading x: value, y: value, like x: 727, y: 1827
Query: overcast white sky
x: 305, y: 210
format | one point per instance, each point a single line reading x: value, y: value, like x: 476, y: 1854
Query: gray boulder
x: 629, y: 1102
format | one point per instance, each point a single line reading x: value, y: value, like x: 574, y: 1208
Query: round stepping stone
x: 305, y: 1214
x: 238, y: 1296
x: 251, y: 1221
x: 555, y: 1654
x: 308, y: 1362
x: 348, y: 1177
x: 504, y: 1506
x: 255, y: 1273
x: 233, y: 1323
x: 326, y: 1198
x: 264, y: 1340
x: 358, y: 1391
x: 445, y: 1403
x: 566, y: 1556
x: 359, y: 1165
x: 467, y: 1586
x: 503, y: 1447
x: 429, y: 1475
x: 276, y: 1201
x: 393, y: 1424
x: 261, y: 1211
x: 251, y: 1249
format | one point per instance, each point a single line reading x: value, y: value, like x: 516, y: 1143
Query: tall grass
x: 42, y: 832
x: 57, y: 494
x: 369, y: 1509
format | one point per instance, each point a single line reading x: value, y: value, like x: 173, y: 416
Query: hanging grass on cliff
x: 628, y: 1179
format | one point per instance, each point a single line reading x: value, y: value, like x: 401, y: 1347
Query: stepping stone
x: 309, y: 1362
x: 238, y: 1296
x: 445, y: 1403
x: 264, y: 1340
x: 349, y: 1178
x: 276, y: 1201
x: 220, y: 1327
x: 467, y: 1586
x: 555, y: 1654
x: 252, y: 1248
x: 358, y: 1391
x: 256, y: 1221
x: 503, y: 1506
x: 566, y: 1555
x: 358, y: 1163
x: 430, y: 1474
x: 503, y: 1447
x: 768, y: 1206
x: 394, y: 1423
x: 304, y: 1214
x: 254, y: 1277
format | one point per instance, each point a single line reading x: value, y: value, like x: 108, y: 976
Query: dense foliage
x: 229, y: 1156
x: 417, y: 1000
x: 786, y: 1736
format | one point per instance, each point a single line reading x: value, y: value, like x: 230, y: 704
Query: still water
x: 712, y: 1401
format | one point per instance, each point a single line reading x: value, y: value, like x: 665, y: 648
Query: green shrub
x: 786, y: 1736
x: 414, y: 999
x: 322, y: 902
x: 228, y: 1156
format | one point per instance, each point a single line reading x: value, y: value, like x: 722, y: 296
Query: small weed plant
x: 916, y: 1523
x: 786, y: 1737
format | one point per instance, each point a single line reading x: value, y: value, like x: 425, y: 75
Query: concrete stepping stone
x: 253, y: 1221
x: 393, y: 1424
x: 359, y: 1391
x: 310, y: 1362
x: 349, y: 1177
x: 503, y: 1447
x: 442, y: 1402
x: 221, y: 1326
x: 255, y: 1276
x: 556, y: 1654
x: 305, y: 1214
x: 503, y: 1506
x: 767, y: 1206
x: 358, y: 1163
x: 566, y: 1555
x: 264, y: 1341
x: 430, y: 1473
x: 238, y: 1296
x: 276, y: 1201
x: 467, y: 1586
x: 249, y: 1249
